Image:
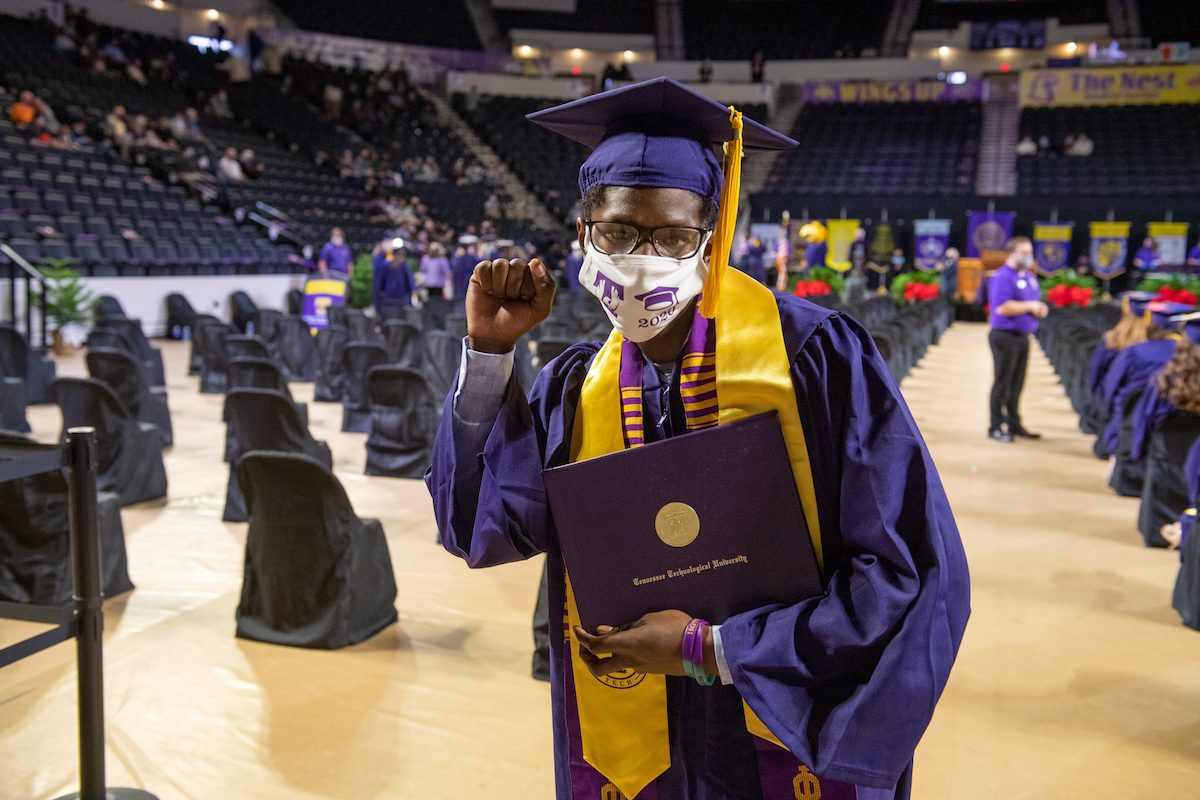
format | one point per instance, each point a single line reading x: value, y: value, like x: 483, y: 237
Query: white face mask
x: 337, y: 240
x: 641, y: 293
x: 1025, y: 262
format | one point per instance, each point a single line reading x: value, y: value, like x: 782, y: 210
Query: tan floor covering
x: 1075, y: 679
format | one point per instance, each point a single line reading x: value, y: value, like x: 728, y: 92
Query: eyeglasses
x: 618, y: 238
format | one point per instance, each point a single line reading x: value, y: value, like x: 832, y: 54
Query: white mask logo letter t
x: 642, y: 293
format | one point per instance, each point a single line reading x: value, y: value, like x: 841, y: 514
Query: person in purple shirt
x: 1146, y: 258
x: 336, y: 257
x: 1193, y: 259
x: 440, y: 284
x: 1016, y: 305
x: 571, y: 272
x: 394, y: 285
x: 462, y: 266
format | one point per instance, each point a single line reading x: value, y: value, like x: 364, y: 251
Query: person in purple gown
x: 462, y: 266
x: 1186, y: 597
x: 845, y: 682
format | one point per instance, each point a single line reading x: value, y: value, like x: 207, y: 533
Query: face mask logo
x: 609, y: 291
x: 659, y: 298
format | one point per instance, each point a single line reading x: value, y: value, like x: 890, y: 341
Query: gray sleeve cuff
x: 482, y: 380
x: 722, y: 664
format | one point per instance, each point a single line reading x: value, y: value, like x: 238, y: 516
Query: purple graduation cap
x: 1136, y: 302
x: 657, y: 133
x: 1161, y: 313
x: 1191, y: 325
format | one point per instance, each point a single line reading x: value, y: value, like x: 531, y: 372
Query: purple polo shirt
x: 337, y: 257
x: 1008, y: 284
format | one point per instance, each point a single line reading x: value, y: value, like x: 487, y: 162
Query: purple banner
x: 988, y: 231
x: 893, y: 91
x: 932, y: 238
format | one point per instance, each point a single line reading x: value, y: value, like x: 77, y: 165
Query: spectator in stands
x: 1043, y: 145
x: 1083, y: 146
x: 133, y: 70
x: 113, y: 52
x: 218, y: 105
x: 897, y: 261
x: 1016, y: 306
x: 79, y: 134
x: 1027, y: 147
x: 235, y: 67
x: 229, y: 168
x: 336, y: 259
x: 23, y: 112
x: 757, y: 66
x: 114, y: 124
x: 394, y: 285
x: 491, y: 206
x: 250, y: 168
x: 45, y: 121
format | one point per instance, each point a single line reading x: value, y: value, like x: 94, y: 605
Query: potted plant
x: 68, y: 305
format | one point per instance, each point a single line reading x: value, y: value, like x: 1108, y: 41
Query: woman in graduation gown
x: 826, y: 697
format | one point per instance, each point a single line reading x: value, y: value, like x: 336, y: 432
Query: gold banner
x: 1110, y: 86
x: 841, y: 236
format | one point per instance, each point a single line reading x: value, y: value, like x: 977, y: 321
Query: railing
x: 85, y: 621
x: 30, y: 274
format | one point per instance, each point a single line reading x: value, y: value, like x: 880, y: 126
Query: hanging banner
x: 988, y: 231
x: 1171, y: 238
x: 1052, y: 246
x: 931, y: 238
x: 893, y: 91
x: 319, y: 295
x: 1109, y: 249
x: 1110, y: 86
x: 840, y: 235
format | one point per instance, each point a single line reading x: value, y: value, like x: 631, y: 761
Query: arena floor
x: 1075, y: 679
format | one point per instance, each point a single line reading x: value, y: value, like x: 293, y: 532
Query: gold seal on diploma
x: 677, y: 524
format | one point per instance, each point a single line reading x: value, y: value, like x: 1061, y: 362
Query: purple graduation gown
x: 1130, y: 372
x: 1102, y: 358
x: 853, y: 674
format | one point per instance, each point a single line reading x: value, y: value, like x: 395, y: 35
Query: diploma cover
x: 708, y: 522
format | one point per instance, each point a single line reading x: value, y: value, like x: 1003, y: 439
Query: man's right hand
x: 1040, y: 309
x: 505, y: 300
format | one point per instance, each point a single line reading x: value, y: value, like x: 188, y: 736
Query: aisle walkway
x: 1075, y: 679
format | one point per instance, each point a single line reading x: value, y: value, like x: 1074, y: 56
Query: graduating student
x: 393, y: 285
x: 826, y: 697
x: 1163, y: 390
x: 1131, y: 329
x: 1127, y: 379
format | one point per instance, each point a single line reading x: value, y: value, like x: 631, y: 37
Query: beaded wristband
x: 693, y: 652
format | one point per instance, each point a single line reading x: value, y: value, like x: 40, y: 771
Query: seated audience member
x: 45, y: 120
x: 78, y: 133
x: 114, y: 124
x: 1043, y: 145
x: 250, y: 167
x: 133, y: 71
x: 23, y: 111
x: 229, y: 168
x: 1027, y: 147
x: 1083, y: 146
x: 218, y: 105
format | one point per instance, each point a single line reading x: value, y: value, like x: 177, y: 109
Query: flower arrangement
x: 1068, y: 288
x: 911, y: 287
x: 822, y: 281
x: 1174, y: 288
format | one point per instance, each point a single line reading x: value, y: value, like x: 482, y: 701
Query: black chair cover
x: 139, y: 347
x: 1165, y: 492
x: 261, y: 373
x: 549, y: 349
x: 239, y: 345
x: 456, y: 325
x: 295, y: 301
x: 297, y: 354
x: 35, y: 564
x: 242, y: 310
x: 179, y: 315
x: 263, y: 419
x: 12, y: 405
x: 362, y: 327
x: 99, y: 337
x: 264, y: 327
x: 145, y: 404
x: 357, y: 359
x: 109, y: 307
x: 128, y: 453
x: 443, y: 351
x: 210, y: 338
x: 335, y: 315
x: 1186, y: 597
x: 316, y: 575
x: 17, y: 360
x: 195, y: 362
x: 1128, y: 476
x: 403, y: 342
x: 330, y: 384
x: 414, y: 315
x: 403, y: 423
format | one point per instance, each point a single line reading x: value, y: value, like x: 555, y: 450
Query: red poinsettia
x: 1082, y: 295
x: 920, y: 291
x: 1059, y: 295
x: 812, y: 288
x: 1169, y: 295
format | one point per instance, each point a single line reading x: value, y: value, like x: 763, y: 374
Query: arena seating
x: 444, y: 24
x: 1139, y: 150
x: 882, y: 148
x: 780, y: 29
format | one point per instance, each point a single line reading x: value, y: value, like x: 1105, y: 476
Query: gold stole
x: 623, y: 722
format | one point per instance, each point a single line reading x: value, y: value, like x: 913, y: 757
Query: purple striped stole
x: 697, y: 381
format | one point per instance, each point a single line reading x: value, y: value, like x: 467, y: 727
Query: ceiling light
x: 943, y: 51
x: 157, y: 4
x: 576, y: 53
x: 213, y: 13
x: 1071, y: 46
x: 526, y: 50
x: 629, y: 55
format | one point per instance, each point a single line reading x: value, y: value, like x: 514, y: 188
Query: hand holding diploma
x: 652, y: 646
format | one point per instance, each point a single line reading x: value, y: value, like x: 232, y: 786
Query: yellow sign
x: 1109, y: 229
x: 841, y: 236
x: 1157, y: 229
x: 1110, y: 86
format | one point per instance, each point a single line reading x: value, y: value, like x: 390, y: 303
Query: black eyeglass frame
x: 642, y: 236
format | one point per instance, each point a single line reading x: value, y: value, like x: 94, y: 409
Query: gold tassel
x: 726, y: 218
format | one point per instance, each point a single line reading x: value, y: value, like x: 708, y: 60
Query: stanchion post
x: 89, y: 610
